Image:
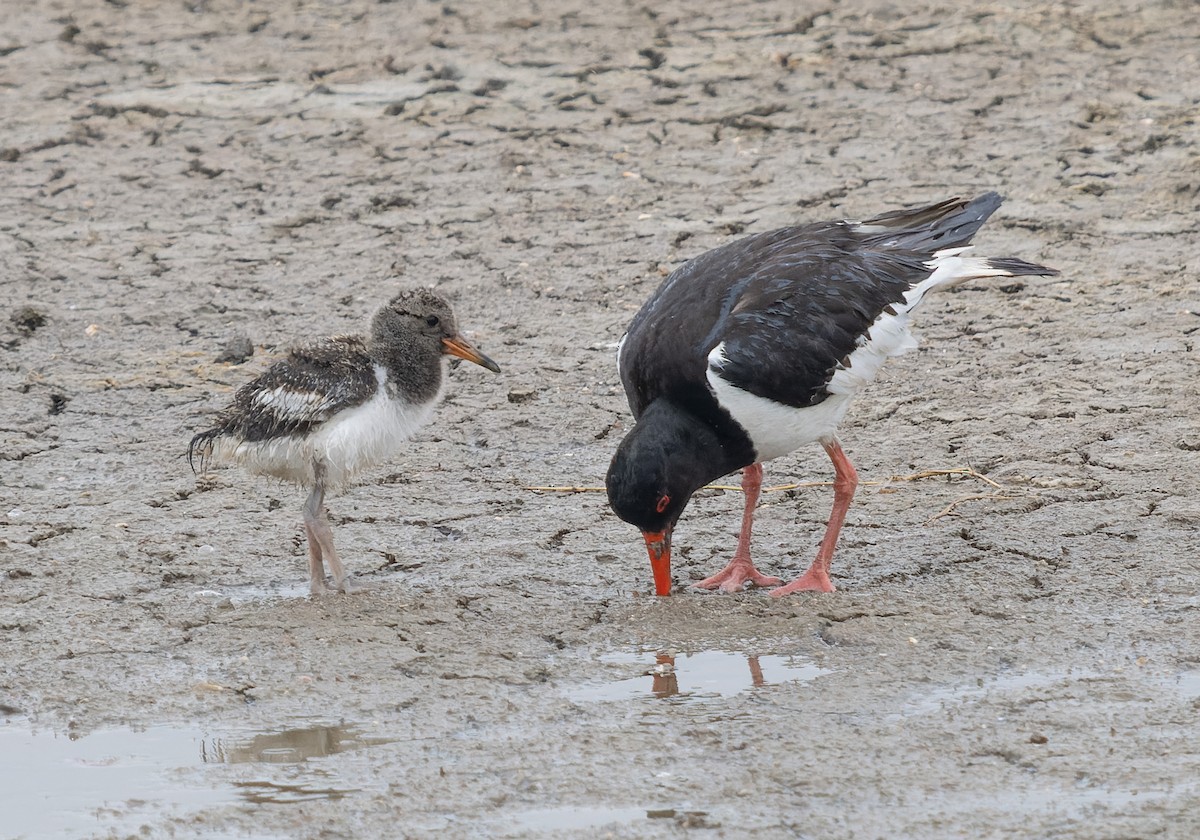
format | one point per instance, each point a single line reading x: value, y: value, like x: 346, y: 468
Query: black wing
x: 808, y: 305
x: 789, y: 304
x: 296, y: 394
x: 803, y: 314
x: 665, y: 350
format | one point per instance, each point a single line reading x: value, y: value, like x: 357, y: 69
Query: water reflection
x: 275, y: 793
x: 700, y: 676
x: 287, y: 747
x: 119, y: 779
x: 666, y: 680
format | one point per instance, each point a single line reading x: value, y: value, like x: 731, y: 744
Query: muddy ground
x: 1016, y: 657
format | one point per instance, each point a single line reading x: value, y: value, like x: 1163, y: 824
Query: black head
x: 419, y: 322
x: 643, y: 487
x: 666, y: 458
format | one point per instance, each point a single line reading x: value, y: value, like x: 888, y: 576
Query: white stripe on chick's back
x: 345, y: 444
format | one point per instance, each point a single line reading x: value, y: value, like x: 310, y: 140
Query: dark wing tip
x: 1019, y: 268
x: 947, y: 224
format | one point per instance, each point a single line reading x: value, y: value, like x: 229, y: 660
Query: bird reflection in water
x: 666, y: 680
x: 289, y: 746
x: 666, y: 683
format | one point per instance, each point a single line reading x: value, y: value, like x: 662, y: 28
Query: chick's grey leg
x: 314, y: 514
x: 316, y: 523
x: 325, y: 537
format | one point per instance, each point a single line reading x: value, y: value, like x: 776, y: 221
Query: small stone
x: 27, y: 319
x: 236, y: 351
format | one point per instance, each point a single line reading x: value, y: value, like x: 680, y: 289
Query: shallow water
x: 570, y: 817
x: 696, y: 677
x: 117, y: 779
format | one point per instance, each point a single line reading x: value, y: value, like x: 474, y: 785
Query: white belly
x: 777, y: 429
x: 343, y: 446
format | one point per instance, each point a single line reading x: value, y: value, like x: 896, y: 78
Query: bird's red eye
x: 663, y: 501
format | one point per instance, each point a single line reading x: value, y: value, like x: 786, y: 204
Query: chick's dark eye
x: 432, y: 320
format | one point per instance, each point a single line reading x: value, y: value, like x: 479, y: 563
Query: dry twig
x: 965, y: 472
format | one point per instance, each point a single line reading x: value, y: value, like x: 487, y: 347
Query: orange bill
x: 658, y: 544
x: 459, y: 346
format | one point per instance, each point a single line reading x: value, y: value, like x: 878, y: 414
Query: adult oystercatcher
x: 756, y: 348
x: 330, y: 409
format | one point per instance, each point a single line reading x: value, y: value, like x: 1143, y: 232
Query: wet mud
x: 190, y: 187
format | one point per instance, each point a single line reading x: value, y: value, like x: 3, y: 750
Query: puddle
x: 706, y: 675
x: 1187, y: 684
x: 275, y: 793
x: 248, y: 593
x: 236, y: 595
x: 115, y: 780
x: 937, y: 698
x: 287, y: 747
x: 576, y: 817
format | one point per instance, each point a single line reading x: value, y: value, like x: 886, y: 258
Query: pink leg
x: 320, y: 539
x: 756, y: 674
x: 324, y: 535
x: 739, y: 570
x: 816, y: 579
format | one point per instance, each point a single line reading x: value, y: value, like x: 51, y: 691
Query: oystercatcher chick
x: 333, y: 408
x: 756, y: 348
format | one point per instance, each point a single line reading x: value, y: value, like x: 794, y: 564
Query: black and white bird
x: 756, y: 348
x: 331, y: 409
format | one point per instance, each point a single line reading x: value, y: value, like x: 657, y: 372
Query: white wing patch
x: 344, y: 445
x: 889, y: 336
x: 290, y: 404
x: 775, y: 429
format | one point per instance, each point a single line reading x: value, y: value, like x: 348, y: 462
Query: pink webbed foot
x: 816, y: 579
x: 735, y: 576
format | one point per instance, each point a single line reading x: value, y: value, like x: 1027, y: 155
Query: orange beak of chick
x: 459, y: 346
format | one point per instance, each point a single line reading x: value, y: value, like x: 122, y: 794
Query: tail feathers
x: 947, y: 224
x: 1013, y: 267
x: 951, y: 268
x: 200, y: 450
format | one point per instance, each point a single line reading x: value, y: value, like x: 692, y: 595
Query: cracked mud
x: 189, y: 187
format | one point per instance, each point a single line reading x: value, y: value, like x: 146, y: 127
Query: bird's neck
x: 413, y: 373
x: 669, y: 439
